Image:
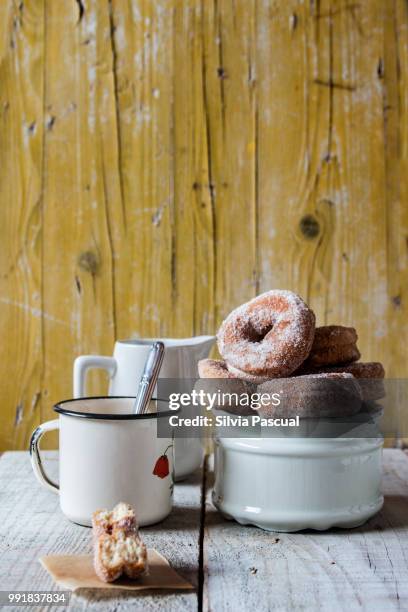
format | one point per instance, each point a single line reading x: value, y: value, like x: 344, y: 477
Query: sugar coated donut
x: 217, y: 368
x: 269, y: 336
x: 332, y: 356
x: 213, y: 368
x: 332, y: 345
x: 369, y: 376
x: 333, y: 335
x: 245, y: 376
x: 313, y: 396
x: 216, y: 379
x: 361, y: 369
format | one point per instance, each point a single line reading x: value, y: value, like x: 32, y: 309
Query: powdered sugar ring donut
x: 271, y: 335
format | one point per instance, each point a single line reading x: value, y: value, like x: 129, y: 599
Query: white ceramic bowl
x: 289, y: 484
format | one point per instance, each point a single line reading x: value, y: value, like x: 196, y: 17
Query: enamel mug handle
x: 84, y: 363
x: 36, y: 457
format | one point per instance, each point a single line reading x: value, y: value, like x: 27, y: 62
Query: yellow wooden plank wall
x: 163, y: 161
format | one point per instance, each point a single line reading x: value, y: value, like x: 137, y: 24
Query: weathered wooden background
x: 163, y: 161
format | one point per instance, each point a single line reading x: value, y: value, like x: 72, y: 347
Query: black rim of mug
x: 60, y: 408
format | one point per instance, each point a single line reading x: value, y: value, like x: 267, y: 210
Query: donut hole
x: 256, y: 334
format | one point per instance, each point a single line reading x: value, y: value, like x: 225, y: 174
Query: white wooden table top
x: 233, y: 568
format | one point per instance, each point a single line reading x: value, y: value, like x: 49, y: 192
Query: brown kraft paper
x: 77, y: 572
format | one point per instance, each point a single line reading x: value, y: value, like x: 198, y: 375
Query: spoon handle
x: 149, y: 378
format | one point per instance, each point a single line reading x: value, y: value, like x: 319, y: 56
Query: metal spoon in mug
x: 149, y: 378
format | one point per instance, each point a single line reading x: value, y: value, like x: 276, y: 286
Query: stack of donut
x: 273, y: 337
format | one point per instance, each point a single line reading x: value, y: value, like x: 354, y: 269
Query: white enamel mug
x: 108, y: 455
x: 125, y: 369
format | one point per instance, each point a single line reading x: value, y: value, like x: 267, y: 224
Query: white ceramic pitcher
x: 125, y: 369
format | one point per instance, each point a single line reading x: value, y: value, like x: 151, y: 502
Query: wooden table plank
x: 31, y: 525
x: 244, y: 567
x: 363, y: 568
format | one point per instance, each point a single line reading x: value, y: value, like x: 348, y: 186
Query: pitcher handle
x: 85, y: 362
x: 35, y: 456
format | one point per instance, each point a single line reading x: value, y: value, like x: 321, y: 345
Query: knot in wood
x: 309, y: 226
x: 89, y: 262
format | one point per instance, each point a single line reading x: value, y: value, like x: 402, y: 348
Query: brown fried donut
x: 361, y: 369
x: 215, y: 377
x: 332, y: 345
x: 245, y: 376
x: 313, y: 396
x: 327, y: 336
x: 269, y: 336
x: 369, y: 376
x: 331, y: 356
x: 217, y: 368
x: 213, y: 368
